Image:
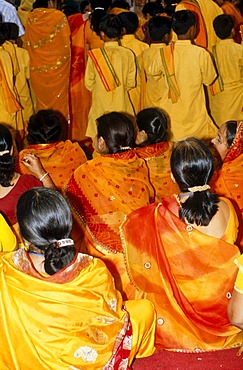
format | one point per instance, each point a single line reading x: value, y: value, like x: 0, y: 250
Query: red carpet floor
x: 216, y: 360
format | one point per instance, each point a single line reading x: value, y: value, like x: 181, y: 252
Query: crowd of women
x: 108, y: 257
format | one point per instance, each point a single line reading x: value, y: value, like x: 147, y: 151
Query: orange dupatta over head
x: 186, y: 274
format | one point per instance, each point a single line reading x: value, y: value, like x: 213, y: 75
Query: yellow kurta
x: 137, y: 46
x: 103, y: 101
x: 153, y: 89
x: 209, y: 11
x: 228, y: 104
x: 7, y: 237
x: 193, y: 68
x: 70, y: 320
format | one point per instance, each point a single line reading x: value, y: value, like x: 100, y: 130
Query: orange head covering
x: 236, y: 147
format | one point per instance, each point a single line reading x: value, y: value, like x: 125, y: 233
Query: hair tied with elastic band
x: 4, y: 152
x: 64, y: 243
x: 125, y: 148
x: 194, y: 189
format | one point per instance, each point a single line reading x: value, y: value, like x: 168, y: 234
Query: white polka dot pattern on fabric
x: 147, y: 265
x: 160, y: 321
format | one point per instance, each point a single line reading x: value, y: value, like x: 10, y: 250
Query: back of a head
x: 223, y: 25
x: 95, y: 18
x: 158, y: 28
x: 152, y: 9
x: 111, y: 26
x: 182, y: 21
x: 122, y: 4
x: 231, y: 129
x: 13, y: 31
x: 154, y: 122
x: 6, y: 159
x: 41, y: 4
x: 117, y: 131
x: 101, y: 4
x: 44, y: 127
x: 4, y: 33
x: 44, y: 218
x: 192, y: 166
x: 129, y: 22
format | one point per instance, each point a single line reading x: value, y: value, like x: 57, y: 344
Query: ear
x: 102, y: 147
x: 102, y: 35
x: 141, y: 137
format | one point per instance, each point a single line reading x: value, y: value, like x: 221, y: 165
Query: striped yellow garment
x: 167, y: 57
x: 218, y: 84
x: 104, y: 68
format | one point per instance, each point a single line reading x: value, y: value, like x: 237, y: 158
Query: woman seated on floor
x: 102, y: 191
x: 154, y: 147
x: 63, y: 304
x: 59, y: 158
x: 13, y: 184
x: 183, y: 260
x: 228, y: 180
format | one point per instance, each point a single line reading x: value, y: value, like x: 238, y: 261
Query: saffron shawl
x: 186, y: 274
x: 72, y: 319
x: 102, y: 191
x: 157, y: 157
x: 59, y: 159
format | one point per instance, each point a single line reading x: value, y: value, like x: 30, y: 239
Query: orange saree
x: 186, y: 274
x: 47, y: 39
x: 157, y: 157
x: 228, y: 181
x: 71, y: 320
x: 79, y: 96
x: 233, y: 11
x: 101, y: 192
x: 59, y: 159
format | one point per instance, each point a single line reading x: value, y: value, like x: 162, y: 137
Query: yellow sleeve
x: 7, y: 237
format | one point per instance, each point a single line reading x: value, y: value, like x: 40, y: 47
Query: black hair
x: 44, y: 217
x: 154, y: 122
x: 117, y: 131
x: 83, y: 5
x: 40, y: 4
x: 13, y: 31
x: 129, y: 22
x: 95, y: 18
x: 4, y: 32
x: 231, y: 128
x: 182, y: 21
x: 152, y: 9
x: 192, y: 164
x: 105, y: 4
x: 158, y: 27
x: 44, y: 127
x: 122, y: 4
x: 223, y: 25
x: 111, y: 26
x: 6, y: 160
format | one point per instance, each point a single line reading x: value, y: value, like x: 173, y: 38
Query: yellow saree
x: 186, y: 274
x: 71, y: 320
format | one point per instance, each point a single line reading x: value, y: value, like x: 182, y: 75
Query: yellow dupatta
x: 167, y: 57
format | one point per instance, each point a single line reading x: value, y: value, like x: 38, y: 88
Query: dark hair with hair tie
x: 44, y: 127
x: 6, y: 159
x: 192, y: 165
x: 154, y: 122
x: 44, y: 217
x: 117, y: 131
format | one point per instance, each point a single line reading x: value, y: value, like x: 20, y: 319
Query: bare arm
x: 34, y: 165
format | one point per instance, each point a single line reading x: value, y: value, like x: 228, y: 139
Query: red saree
x: 157, y: 158
x: 186, y: 274
x: 228, y: 181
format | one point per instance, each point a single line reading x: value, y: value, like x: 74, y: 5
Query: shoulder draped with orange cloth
x: 62, y: 303
x: 47, y: 39
x: 228, y: 180
x: 183, y: 260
